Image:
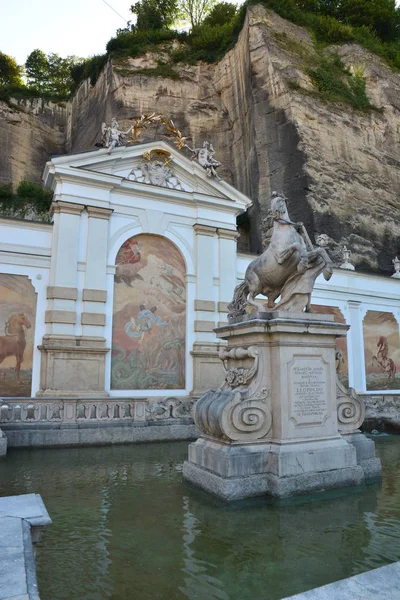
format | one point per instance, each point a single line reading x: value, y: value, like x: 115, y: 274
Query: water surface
x: 125, y: 526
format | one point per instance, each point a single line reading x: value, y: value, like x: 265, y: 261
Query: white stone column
x: 94, y: 293
x: 62, y: 291
x: 227, y: 258
x: 355, y: 342
x: 73, y: 360
x: 205, y: 302
x: 206, y: 365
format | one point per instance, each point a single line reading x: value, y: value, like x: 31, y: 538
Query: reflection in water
x: 125, y: 526
x: 197, y: 581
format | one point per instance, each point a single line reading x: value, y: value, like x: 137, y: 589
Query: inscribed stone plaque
x: 309, y: 391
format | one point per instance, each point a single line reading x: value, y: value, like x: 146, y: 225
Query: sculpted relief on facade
x: 156, y: 169
x: 149, y: 320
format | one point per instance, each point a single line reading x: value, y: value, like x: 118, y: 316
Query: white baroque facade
x: 101, y: 202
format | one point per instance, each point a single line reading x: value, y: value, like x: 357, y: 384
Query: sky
x: 67, y: 27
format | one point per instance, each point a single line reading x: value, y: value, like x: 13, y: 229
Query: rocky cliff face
x: 30, y: 132
x: 340, y: 169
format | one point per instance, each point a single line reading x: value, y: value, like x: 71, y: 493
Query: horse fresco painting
x: 149, y: 320
x: 17, y: 330
x: 382, y: 351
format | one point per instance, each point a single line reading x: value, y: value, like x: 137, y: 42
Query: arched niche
x: 342, y: 359
x: 381, y: 350
x: 149, y: 316
x: 17, y: 333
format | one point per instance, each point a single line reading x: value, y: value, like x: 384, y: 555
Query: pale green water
x: 126, y: 527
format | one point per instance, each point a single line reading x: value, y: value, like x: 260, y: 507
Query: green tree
x: 195, y: 11
x: 10, y: 72
x: 154, y: 14
x: 50, y: 74
x: 380, y: 16
x: 221, y: 13
x: 37, y: 70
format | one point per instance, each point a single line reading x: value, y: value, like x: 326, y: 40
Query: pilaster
x: 355, y: 341
x: 94, y: 295
x: 62, y: 290
x: 73, y: 349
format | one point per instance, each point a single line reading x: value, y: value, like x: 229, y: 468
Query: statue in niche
x: 205, y: 158
x: 287, y: 268
x: 112, y: 136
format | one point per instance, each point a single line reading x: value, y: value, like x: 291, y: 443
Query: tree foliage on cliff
x: 356, y: 21
x: 195, y: 11
x: 28, y: 201
x: 49, y: 73
x: 154, y: 14
x: 10, y: 71
x: 380, y: 16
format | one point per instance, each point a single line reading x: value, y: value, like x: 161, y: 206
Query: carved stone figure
x: 112, y: 136
x: 322, y: 240
x: 396, y: 264
x: 346, y: 260
x: 205, y: 158
x: 287, y: 268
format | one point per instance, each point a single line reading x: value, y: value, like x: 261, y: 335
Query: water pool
x: 125, y: 526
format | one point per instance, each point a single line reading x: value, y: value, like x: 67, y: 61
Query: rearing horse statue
x: 287, y: 268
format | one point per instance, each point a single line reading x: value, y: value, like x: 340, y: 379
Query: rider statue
x: 112, y: 136
x: 287, y: 269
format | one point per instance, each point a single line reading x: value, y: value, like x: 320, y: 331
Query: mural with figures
x: 342, y: 362
x: 381, y: 350
x: 149, y: 317
x: 17, y: 332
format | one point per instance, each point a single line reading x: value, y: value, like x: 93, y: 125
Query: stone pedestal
x: 272, y: 427
x: 3, y: 444
x: 72, y: 366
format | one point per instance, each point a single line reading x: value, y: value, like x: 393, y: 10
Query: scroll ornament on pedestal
x: 239, y: 410
x: 350, y: 409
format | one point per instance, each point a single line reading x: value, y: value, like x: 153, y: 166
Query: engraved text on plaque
x: 309, y: 391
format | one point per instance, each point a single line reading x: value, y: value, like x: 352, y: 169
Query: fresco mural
x: 149, y: 319
x: 342, y: 362
x: 17, y: 333
x: 381, y: 351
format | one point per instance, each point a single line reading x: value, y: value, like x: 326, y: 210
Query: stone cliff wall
x: 339, y: 168
x: 30, y: 132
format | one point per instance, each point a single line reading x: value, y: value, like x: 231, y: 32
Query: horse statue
x: 383, y: 360
x: 287, y: 268
x: 13, y: 343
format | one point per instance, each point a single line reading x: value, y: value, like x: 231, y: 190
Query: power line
x: 117, y: 13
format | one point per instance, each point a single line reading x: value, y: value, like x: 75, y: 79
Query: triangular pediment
x: 153, y: 164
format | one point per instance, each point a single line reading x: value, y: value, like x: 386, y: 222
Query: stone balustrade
x: 46, y: 422
x: 64, y: 411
